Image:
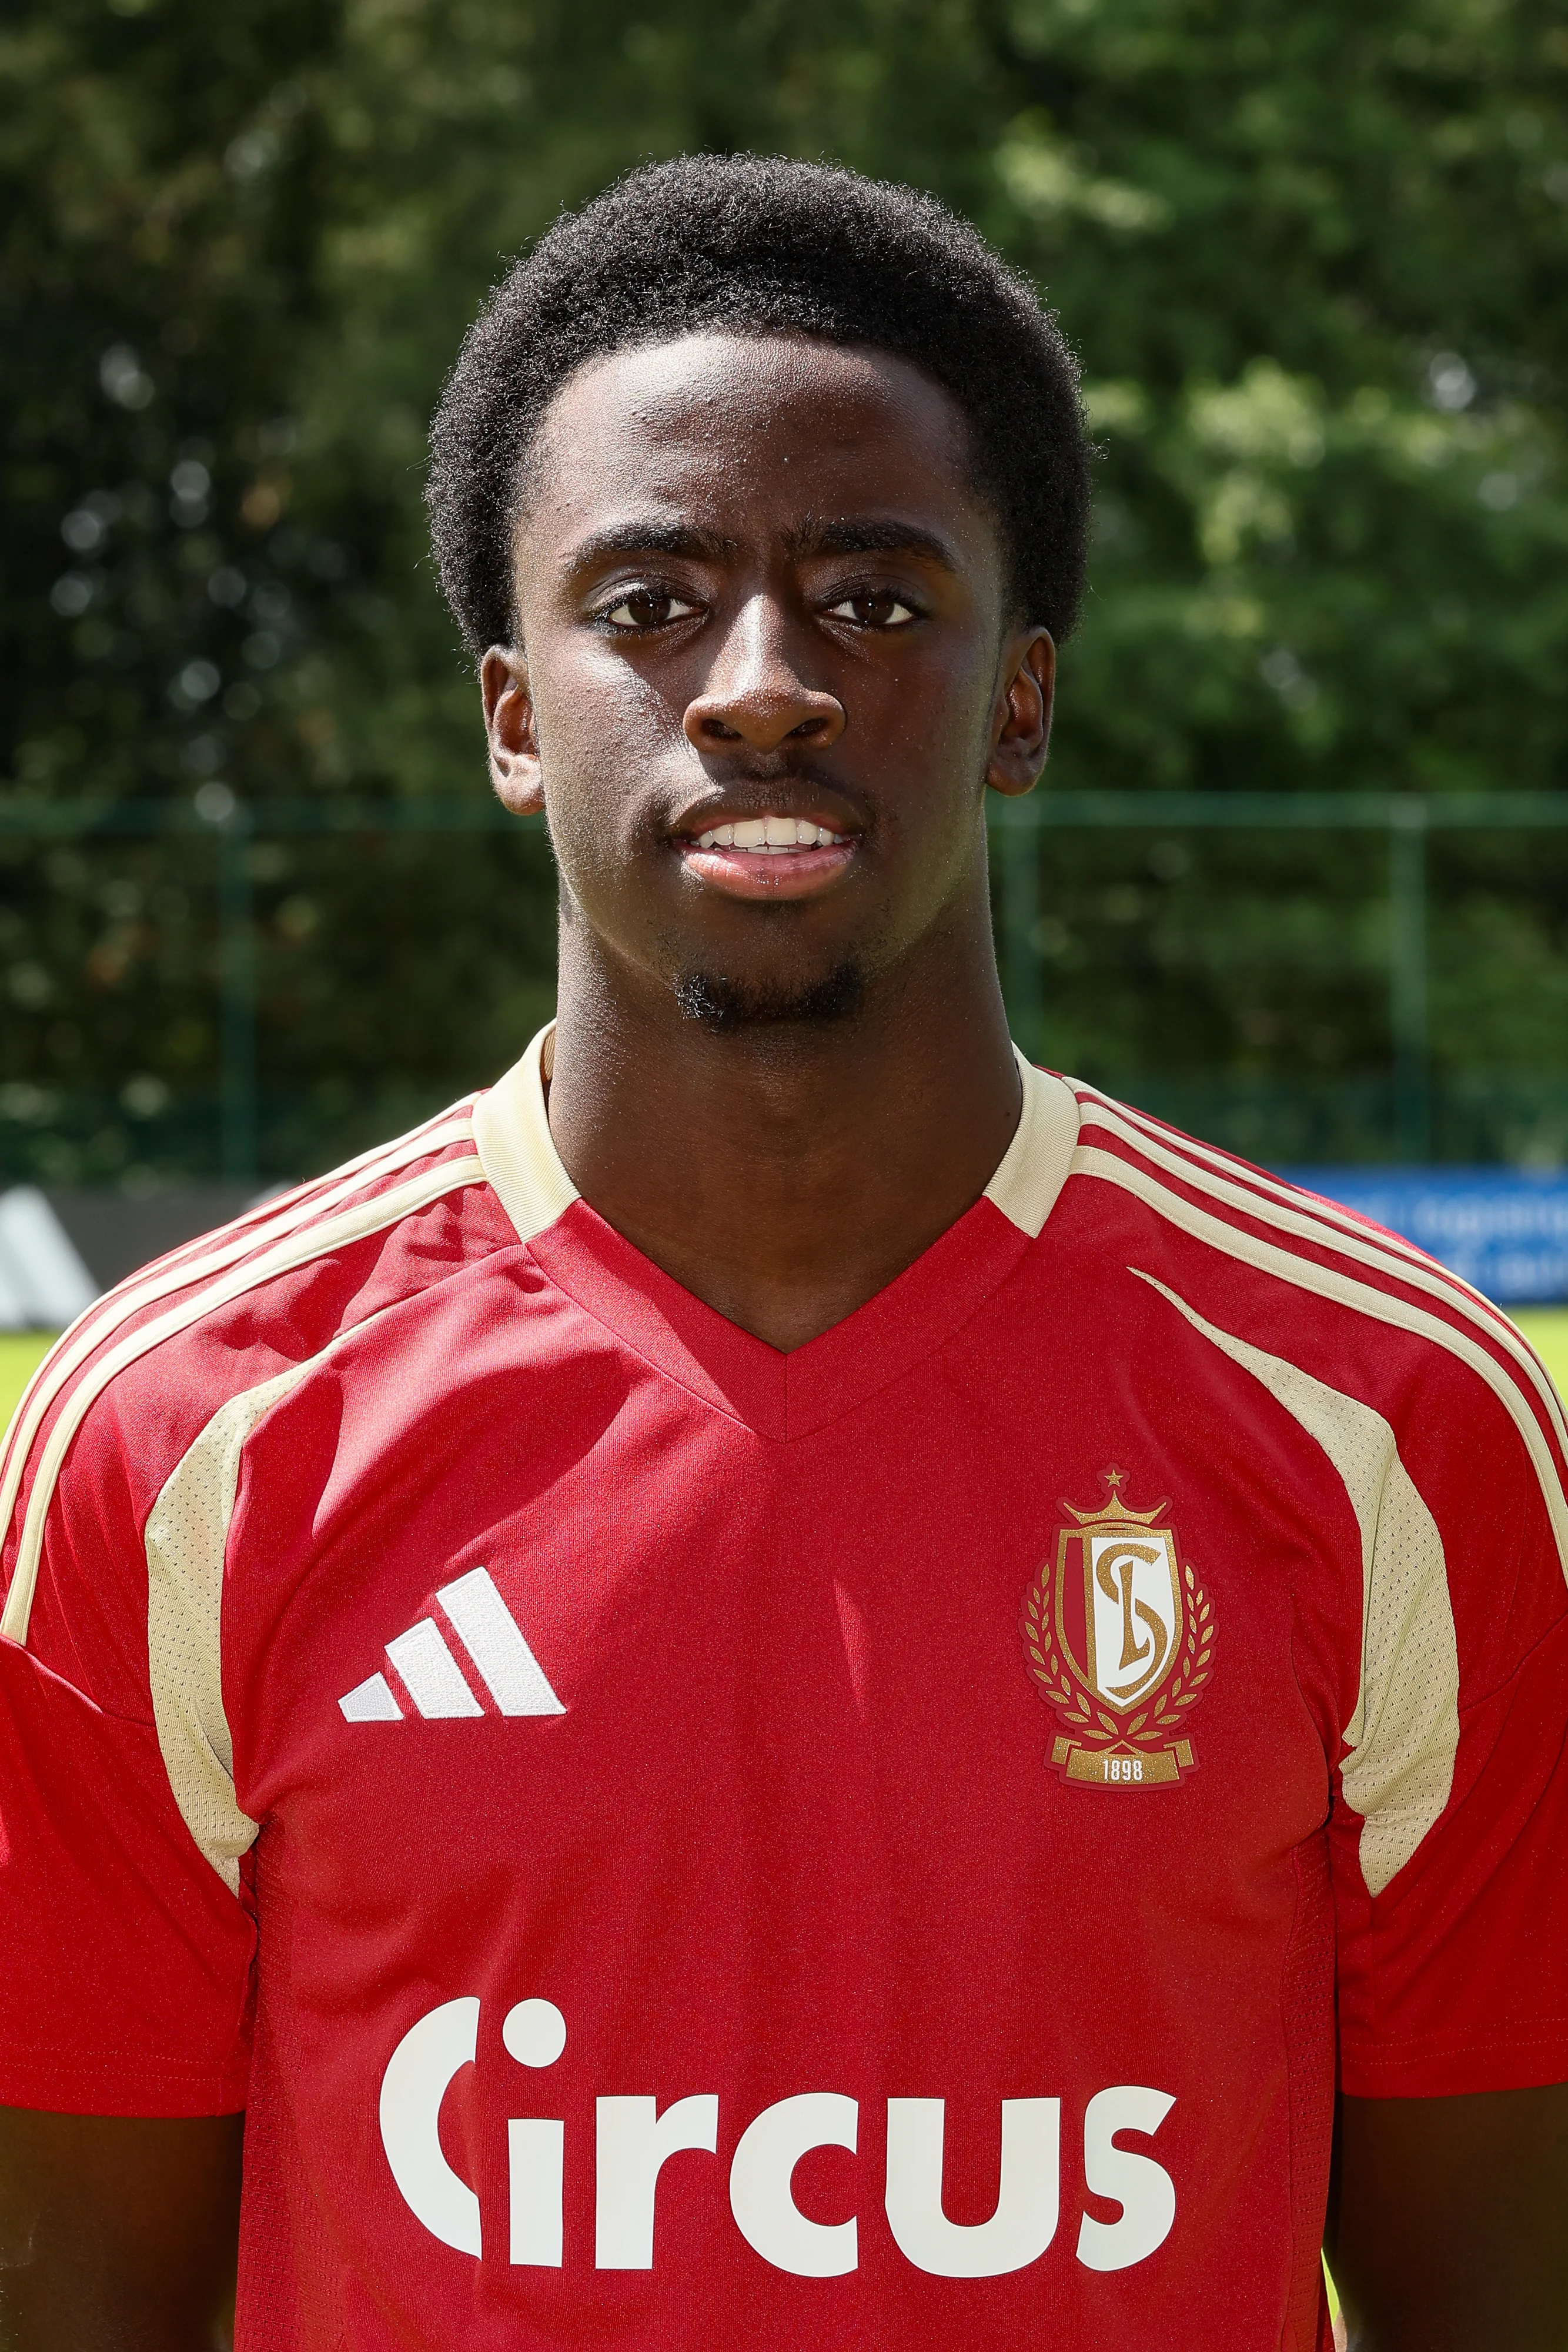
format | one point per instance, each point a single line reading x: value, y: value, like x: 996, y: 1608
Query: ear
x: 516, y: 774
x: 1020, y: 721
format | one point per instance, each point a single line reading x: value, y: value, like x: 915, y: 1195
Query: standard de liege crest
x: 1120, y: 1638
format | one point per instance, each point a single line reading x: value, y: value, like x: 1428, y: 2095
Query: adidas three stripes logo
x: 432, y: 1675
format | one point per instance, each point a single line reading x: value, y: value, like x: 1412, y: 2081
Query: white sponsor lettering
x: 765, y: 2211
x: 418, y: 2074
x: 1024, y: 2222
x: 634, y: 2141
x: 534, y: 2033
x: 1142, y: 2189
x: 535, y: 2159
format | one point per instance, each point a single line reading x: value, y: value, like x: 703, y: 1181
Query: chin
x: 720, y: 1001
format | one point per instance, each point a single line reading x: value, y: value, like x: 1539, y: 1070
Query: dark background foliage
x: 1313, y: 261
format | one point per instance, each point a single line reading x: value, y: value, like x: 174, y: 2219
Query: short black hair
x: 760, y: 243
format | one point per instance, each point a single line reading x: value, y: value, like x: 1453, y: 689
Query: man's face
x: 758, y: 590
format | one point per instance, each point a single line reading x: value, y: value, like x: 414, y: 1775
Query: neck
x: 785, y: 1172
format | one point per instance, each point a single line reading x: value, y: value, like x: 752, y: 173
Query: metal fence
x: 1404, y: 823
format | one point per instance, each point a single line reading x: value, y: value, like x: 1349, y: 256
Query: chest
x: 929, y: 1663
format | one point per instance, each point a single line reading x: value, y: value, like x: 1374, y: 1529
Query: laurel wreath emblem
x: 1077, y: 1706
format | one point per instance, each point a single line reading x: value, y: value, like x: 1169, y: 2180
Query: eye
x: 873, y: 608
x: 646, y: 608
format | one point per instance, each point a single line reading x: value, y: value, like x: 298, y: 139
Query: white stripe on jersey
x: 354, y: 1224
x: 1404, y: 1731
x: 430, y: 1673
x: 1327, y: 1282
x: 1330, y: 1227
x: 493, y: 1639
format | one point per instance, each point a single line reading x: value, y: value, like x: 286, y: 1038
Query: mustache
x: 749, y: 783
x: 763, y: 768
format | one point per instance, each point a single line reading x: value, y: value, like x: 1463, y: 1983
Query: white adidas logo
x: 432, y: 1675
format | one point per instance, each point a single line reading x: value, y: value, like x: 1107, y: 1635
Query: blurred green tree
x: 1310, y: 259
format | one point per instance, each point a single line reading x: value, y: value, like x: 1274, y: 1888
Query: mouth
x: 769, y: 857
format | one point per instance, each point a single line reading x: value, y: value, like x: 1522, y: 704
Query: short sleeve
x: 1451, y: 1821
x: 125, y: 1953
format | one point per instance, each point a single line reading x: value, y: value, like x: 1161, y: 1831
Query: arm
x: 116, y: 2233
x: 1449, y: 2222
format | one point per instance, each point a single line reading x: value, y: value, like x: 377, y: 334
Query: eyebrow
x: 870, y: 535
x: 634, y: 538
x: 846, y: 535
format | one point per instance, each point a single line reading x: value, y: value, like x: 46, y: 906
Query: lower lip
x: 752, y: 874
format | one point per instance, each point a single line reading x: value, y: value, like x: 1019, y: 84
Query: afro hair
x: 764, y: 245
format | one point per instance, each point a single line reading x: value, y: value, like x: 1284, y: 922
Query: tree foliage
x: 1311, y: 260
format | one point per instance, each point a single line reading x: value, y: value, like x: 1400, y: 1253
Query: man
x: 784, y: 1684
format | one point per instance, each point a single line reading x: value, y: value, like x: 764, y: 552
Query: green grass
x: 1546, y: 1329
x: 20, y: 1351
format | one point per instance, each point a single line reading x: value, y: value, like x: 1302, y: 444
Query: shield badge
x: 1132, y: 1607
x: 1120, y: 1637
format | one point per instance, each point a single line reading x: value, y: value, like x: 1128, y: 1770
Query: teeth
x: 770, y: 835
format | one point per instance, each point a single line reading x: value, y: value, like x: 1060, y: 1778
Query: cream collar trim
x: 518, y: 1153
x: 516, y: 1150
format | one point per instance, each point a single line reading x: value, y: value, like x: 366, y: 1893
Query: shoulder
x: 125, y: 1392
x: 1308, y: 1296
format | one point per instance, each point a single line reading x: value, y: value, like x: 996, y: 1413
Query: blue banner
x: 1504, y: 1229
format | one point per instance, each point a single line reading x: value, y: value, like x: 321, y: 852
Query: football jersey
x: 677, y: 1844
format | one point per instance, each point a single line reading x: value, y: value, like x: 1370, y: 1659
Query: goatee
x: 720, y: 1003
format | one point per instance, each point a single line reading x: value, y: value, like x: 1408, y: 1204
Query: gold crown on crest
x: 1115, y: 1508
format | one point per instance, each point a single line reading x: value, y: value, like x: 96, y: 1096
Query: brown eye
x: 646, y: 608
x: 873, y: 608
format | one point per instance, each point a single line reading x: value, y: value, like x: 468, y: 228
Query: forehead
x: 707, y: 426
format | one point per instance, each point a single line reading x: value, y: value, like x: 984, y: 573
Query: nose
x: 755, y: 694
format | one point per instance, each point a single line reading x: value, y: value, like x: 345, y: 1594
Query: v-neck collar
x: 780, y: 1394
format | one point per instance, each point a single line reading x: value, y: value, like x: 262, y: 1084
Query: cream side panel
x: 1404, y: 1733
x: 187, y: 1538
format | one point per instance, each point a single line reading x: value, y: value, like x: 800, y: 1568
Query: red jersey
x: 679, y: 1845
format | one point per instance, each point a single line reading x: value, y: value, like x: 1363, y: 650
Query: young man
x: 783, y: 1683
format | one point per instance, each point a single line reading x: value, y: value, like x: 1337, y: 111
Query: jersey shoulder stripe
x: 175, y: 1294
x: 197, y: 1261
x: 1291, y: 1236
x: 1324, y: 1224
x: 1337, y: 1220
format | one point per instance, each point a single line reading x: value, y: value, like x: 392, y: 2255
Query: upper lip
x: 823, y: 809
